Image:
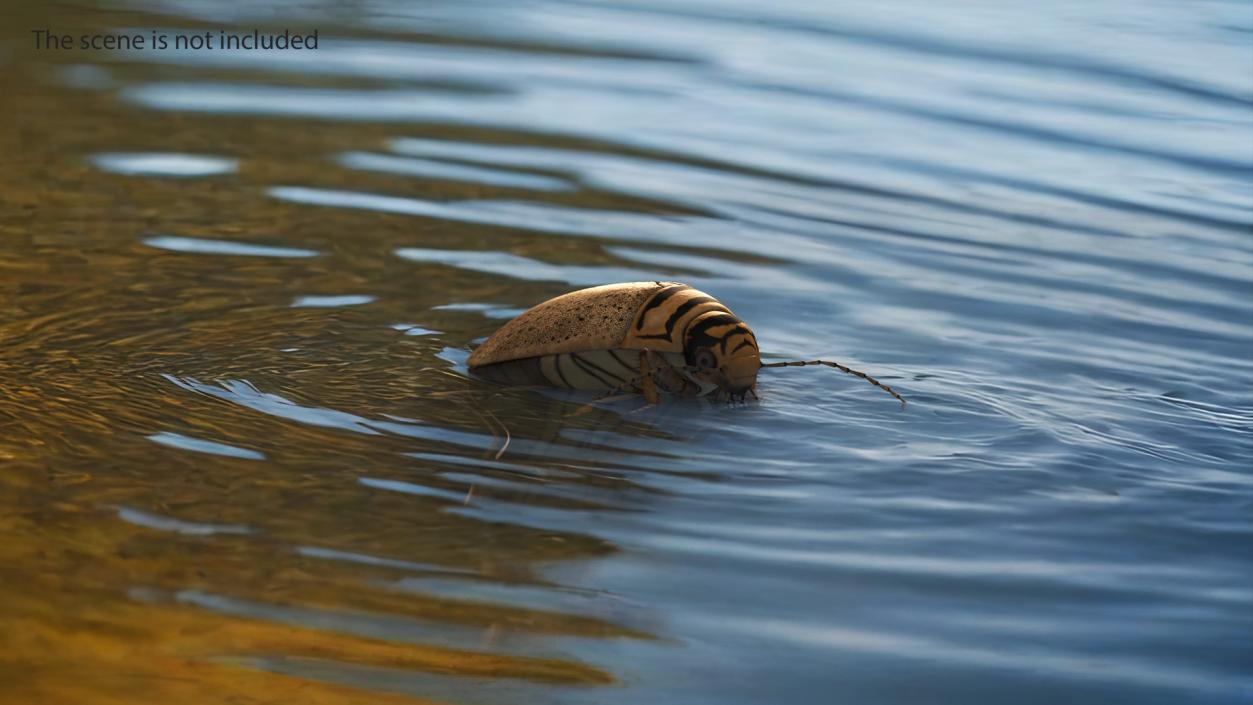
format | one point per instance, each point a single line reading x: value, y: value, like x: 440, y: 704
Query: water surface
x: 243, y: 462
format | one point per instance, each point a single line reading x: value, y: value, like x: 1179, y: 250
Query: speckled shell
x: 598, y: 318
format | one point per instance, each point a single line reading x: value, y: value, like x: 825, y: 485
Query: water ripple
x: 224, y: 247
x: 165, y: 164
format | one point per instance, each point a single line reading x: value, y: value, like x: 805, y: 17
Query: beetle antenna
x: 841, y: 368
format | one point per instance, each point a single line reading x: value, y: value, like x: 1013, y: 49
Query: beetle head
x: 722, y: 351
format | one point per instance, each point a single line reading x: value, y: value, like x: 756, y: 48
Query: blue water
x: 1031, y: 219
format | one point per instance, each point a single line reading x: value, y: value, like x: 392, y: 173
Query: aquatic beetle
x: 638, y: 336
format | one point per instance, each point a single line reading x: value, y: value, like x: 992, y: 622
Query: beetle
x: 637, y: 336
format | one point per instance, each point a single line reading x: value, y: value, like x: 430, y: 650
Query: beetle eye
x: 704, y: 358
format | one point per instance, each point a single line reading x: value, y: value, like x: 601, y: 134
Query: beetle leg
x: 656, y: 373
x: 672, y: 380
x: 629, y: 387
x: 647, y: 386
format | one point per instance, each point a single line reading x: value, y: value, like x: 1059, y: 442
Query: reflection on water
x: 164, y: 164
x: 223, y: 247
x: 244, y: 462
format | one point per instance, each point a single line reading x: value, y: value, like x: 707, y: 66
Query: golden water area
x: 100, y: 609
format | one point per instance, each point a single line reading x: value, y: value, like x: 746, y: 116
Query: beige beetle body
x: 598, y: 318
x: 625, y: 336
x: 641, y: 336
